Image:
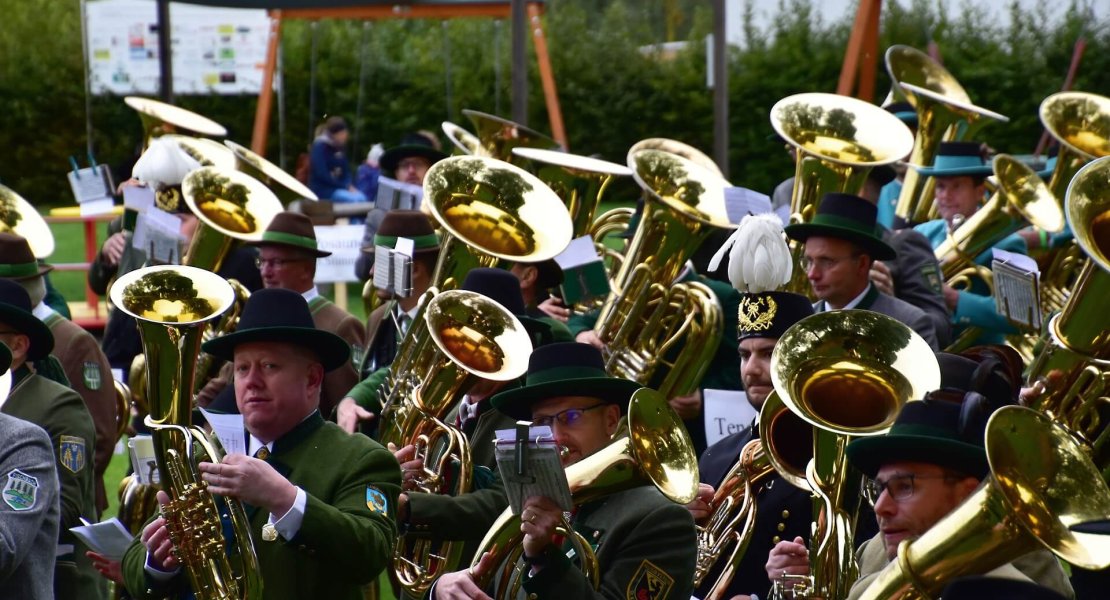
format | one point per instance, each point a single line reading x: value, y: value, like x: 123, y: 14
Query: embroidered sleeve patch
x: 932, y: 277
x: 20, y: 491
x: 71, y: 453
x: 91, y: 372
x: 649, y: 583
x: 376, y: 500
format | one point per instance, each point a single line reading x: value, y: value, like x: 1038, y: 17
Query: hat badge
x: 757, y: 314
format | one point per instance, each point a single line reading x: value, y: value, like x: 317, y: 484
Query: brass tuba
x: 1041, y: 483
x: 232, y: 207
x: 580, y: 181
x: 653, y: 448
x: 465, y: 143
x: 838, y: 140
x: 171, y: 305
x: 287, y: 188
x: 647, y: 315
x: 19, y: 217
x: 682, y: 149
x: 497, y: 136
x: 1069, y: 375
x: 1080, y: 122
x: 159, y: 118
x: 847, y: 373
x: 944, y: 113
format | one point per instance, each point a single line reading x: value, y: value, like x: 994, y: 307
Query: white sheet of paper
x: 578, y: 252
x: 109, y: 537
x: 405, y: 246
x: 229, y: 428
x: 138, y: 197
x: 739, y: 202
x: 726, y: 412
x: 142, y: 459
x: 1018, y: 260
x: 96, y: 207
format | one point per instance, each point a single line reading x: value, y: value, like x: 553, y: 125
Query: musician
x: 29, y: 511
x: 162, y: 167
x: 841, y: 242
x: 960, y: 174
x: 287, y: 255
x: 406, y: 162
x: 646, y: 544
x: 887, y: 200
x: 927, y: 465
x: 782, y: 510
x: 61, y: 412
x: 77, y: 351
x: 322, y: 503
x: 536, y: 282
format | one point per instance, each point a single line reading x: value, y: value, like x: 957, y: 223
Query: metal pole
x: 720, y: 87
x: 312, y: 83
x: 449, y: 108
x: 282, y: 161
x: 361, y: 86
x: 497, y: 65
x: 88, y: 85
x: 165, y: 51
x: 519, y: 36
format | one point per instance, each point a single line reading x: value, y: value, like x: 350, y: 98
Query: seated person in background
x: 366, y: 176
x: 330, y: 177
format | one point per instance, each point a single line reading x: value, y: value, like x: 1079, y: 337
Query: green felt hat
x: 848, y: 217
x: 411, y: 224
x: 927, y: 431
x: 564, y: 369
x: 955, y: 159
x: 293, y: 230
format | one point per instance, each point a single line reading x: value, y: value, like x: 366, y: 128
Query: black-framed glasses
x: 276, y: 263
x: 569, y: 417
x: 898, y: 487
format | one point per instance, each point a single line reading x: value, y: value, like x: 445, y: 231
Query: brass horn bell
x: 1081, y: 123
x: 232, y: 207
x: 19, y: 217
x: 159, y: 118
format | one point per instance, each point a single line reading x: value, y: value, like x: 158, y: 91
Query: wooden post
x: 519, y: 72
x: 720, y: 87
x: 547, y: 78
x: 864, y: 33
x: 266, y: 94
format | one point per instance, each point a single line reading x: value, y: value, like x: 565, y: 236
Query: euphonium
x: 847, y: 373
x: 724, y: 538
x: 653, y: 448
x: 159, y: 118
x: 944, y: 113
x: 497, y: 137
x: 465, y: 143
x: 207, y: 152
x: 287, y: 188
x: 682, y: 149
x: 1080, y: 122
x: 171, y: 305
x: 231, y: 206
x: 648, y: 314
x: 1020, y: 198
x: 838, y: 140
x: 19, y: 217
x: 1041, y: 483
x: 1069, y: 375
x: 580, y: 181
x: 467, y: 336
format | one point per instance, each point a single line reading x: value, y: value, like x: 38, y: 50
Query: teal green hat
x: 564, y: 369
x: 955, y: 159
x: 927, y: 431
x: 848, y: 217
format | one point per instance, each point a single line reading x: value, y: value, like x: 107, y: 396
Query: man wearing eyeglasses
x: 287, y: 256
x: 646, y: 545
x: 841, y: 242
x: 929, y: 462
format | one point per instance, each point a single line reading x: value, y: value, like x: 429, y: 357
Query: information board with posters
x: 215, y: 50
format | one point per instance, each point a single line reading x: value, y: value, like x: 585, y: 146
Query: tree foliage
x: 415, y: 74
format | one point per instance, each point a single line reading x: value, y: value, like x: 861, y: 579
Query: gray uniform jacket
x: 899, y: 310
x: 917, y: 280
x: 29, y: 511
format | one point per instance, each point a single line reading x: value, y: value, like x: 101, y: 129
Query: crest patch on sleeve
x: 376, y: 500
x: 91, y: 372
x: 20, y: 490
x: 71, y: 453
x: 649, y: 583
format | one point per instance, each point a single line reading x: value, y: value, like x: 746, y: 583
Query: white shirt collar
x: 311, y: 294
x: 42, y: 311
x: 851, y: 304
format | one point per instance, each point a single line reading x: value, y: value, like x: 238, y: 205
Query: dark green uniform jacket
x: 62, y: 413
x: 347, y: 535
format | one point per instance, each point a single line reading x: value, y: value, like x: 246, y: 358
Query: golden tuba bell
x: 944, y: 113
x: 19, y: 217
x: 159, y: 118
x: 171, y: 306
x: 653, y: 448
x: 847, y: 373
x: 682, y: 149
x: 287, y: 188
x: 497, y: 136
x: 648, y: 314
x: 465, y: 143
x: 1069, y: 375
x: 838, y: 140
x: 580, y: 181
x: 1041, y: 483
x: 231, y: 206
x: 1080, y: 122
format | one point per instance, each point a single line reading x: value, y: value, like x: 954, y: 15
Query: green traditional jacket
x: 346, y: 538
x: 62, y: 413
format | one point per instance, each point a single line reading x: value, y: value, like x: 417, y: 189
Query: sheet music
x: 543, y: 473
x: 108, y: 537
x: 1016, y: 288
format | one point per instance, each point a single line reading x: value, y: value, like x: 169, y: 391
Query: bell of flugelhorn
x: 231, y: 206
x: 1080, y: 122
x: 159, y: 118
x: 498, y: 136
x: 1020, y: 199
x: 491, y: 210
x: 847, y: 373
x: 1041, y: 483
x: 581, y: 181
x: 19, y: 217
x: 838, y: 140
x: 287, y: 188
x: 1068, y: 375
x: 653, y: 449
x: 171, y: 306
x: 944, y: 113
x: 465, y: 143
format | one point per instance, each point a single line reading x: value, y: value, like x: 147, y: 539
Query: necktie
x: 262, y: 453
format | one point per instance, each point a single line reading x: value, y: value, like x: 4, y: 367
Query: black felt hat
x: 413, y: 144
x: 15, y: 312
x: 564, y: 369
x: 293, y: 230
x: 848, y: 217
x: 280, y: 315
x: 770, y: 314
x: 927, y: 431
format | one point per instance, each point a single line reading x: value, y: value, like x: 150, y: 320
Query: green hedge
x: 611, y: 94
